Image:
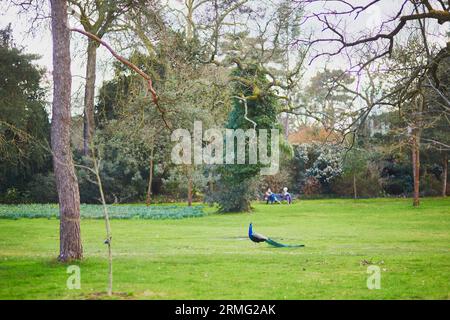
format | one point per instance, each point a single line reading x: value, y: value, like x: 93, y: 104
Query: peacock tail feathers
x: 281, y: 245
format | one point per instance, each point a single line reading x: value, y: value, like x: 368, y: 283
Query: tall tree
x: 328, y: 98
x: 96, y: 17
x: 436, y: 137
x: 415, y: 130
x: 66, y: 180
x: 363, y: 48
x: 24, y: 122
x: 252, y: 108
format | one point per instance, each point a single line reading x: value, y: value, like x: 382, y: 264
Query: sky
x: 39, y: 42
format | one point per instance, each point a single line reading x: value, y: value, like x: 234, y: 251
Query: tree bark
x: 89, y: 96
x: 354, y: 187
x: 211, y: 183
x: 189, y: 187
x: 66, y: 180
x: 415, y: 145
x: 286, y: 127
x: 150, y: 180
x: 189, y: 19
x: 445, y: 173
x: 416, y: 168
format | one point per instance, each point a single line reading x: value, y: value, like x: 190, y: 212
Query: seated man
x: 271, y: 197
x: 267, y: 195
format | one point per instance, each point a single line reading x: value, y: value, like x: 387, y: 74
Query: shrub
x: 42, y: 189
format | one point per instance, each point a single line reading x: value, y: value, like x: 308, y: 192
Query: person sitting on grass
x: 267, y: 195
x: 270, y: 197
x: 286, y: 195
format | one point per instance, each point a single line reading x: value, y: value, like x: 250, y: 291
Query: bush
x: 42, y: 189
x: 430, y: 185
x: 396, y: 177
x: 277, y: 182
x: 176, y: 184
x: 312, y: 186
x: 11, y: 196
x: 316, y: 166
x: 367, y: 185
x: 234, y: 197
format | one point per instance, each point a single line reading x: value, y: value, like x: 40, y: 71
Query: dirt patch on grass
x: 104, y: 295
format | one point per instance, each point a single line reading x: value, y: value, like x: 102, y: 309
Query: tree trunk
x: 189, y: 187
x: 150, y: 180
x: 89, y: 95
x: 211, y: 183
x: 445, y: 173
x: 416, y: 168
x: 354, y: 187
x: 415, y: 147
x: 286, y: 127
x: 66, y: 180
x: 189, y: 19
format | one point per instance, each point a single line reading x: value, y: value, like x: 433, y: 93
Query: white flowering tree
x: 322, y: 162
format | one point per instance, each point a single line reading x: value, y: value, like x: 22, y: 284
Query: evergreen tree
x: 237, y: 184
x: 24, y: 123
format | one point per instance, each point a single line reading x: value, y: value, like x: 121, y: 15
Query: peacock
x: 256, y: 237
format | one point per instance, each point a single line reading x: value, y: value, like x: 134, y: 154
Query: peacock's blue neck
x: 250, y: 230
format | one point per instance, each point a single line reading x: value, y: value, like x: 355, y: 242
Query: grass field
x: 210, y: 257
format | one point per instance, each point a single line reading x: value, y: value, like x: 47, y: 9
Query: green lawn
x: 210, y: 257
